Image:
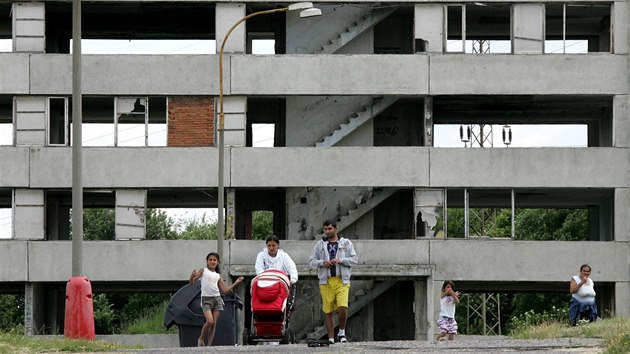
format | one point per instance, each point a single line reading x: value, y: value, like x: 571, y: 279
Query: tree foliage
x: 11, y: 311
x: 99, y: 224
x: 262, y: 224
x: 552, y: 224
x: 529, y: 224
x: 160, y: 226
x: 198, y: 229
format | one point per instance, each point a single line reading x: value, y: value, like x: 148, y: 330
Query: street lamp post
x: 307, y: 11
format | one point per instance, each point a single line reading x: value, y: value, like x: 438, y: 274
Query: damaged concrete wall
x: 307, y: 208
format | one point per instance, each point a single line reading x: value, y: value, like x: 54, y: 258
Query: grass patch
x: 614, y: 331
x: 150, y: 322
x: 13, y: 343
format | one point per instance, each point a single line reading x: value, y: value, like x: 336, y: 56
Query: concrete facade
x: 379, y: 78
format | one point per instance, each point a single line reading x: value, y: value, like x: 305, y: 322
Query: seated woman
x: 582, y: 305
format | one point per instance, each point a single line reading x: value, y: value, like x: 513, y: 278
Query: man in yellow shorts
x: 333, y: 256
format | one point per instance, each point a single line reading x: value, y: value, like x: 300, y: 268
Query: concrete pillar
x: 620, y: 11
x: 622, y: 298
x: 621, y: 207
x: 620, y: 123
x: 429, y: 28
x: 131, y: 214
x: 34, y: 309
x: 226, y: 15
x: 28, y: 214
x: 235, y: 109
x: 528, y: 28
x: 421, y: 305
x: 30, y: 120
x: 230, y: 218
x: 428, y: 121
x: 29, y: 27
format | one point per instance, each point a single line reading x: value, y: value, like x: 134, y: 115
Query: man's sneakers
x: 342, y: 339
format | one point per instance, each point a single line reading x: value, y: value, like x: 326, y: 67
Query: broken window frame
x: 418, y: 206
x: 66, y: 122
x: 117, y: 115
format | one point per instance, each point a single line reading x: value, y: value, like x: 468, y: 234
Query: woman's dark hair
x: 273, y: 238
x: 585, y: 265
x: 448, y: 282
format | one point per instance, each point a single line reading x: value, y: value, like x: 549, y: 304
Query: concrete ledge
x: 372, y: 272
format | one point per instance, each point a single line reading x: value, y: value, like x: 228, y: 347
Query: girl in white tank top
x: 211, y: 302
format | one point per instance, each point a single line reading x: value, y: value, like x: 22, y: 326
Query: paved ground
x: 459, y: 345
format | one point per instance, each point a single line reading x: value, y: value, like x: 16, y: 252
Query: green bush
x: 533, y: 318
x: 104, y: 315
x: 618, y: 344
x: 151, y: 321
x: 11, y: 312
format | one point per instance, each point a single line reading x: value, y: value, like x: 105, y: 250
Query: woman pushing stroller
x: 272, y: 257
x: 275, y: 258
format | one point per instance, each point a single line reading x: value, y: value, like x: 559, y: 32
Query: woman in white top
x: 272, y: 257
x: 211, y: 301
x: 582, y: 305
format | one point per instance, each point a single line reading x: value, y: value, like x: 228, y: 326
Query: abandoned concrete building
x: 357, y: 99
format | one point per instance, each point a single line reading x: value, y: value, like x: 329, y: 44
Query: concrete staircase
x: 362, y: 298
x: 357, y: 119
x: 363, y: 205
x: 362, y: 24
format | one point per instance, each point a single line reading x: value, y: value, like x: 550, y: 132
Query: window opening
x: 488, y: 213
x: 131, y: 121
x: 577, y: 28
x: 6, y: 121
x: 262, y: 224
x: 6, y: 45
x: 523, y: 135
x: 524, y: 214
x: 58, y: 121
x: 263, y: 46
x: 146, y: 46
x: 557, y: 224
x: 157, y: 129
x: 187, y: 223
x: 6, y: 222
x: 263, y: 135
x: 455, y: 28
x: 429, y: 213
x: 98, y: 121
x: 478, y: 28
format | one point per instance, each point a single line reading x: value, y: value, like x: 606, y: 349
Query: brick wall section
x: 190, y: 121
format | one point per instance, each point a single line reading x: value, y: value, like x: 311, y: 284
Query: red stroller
x: 272, y: 302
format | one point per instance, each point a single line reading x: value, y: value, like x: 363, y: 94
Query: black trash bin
x: 184, y: 310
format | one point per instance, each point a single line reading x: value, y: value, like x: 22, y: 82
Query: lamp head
x: 300, y: 6
x: 312, y: 12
